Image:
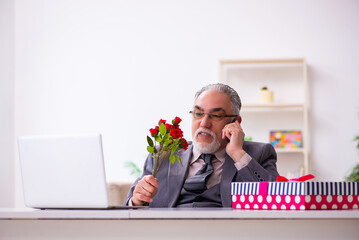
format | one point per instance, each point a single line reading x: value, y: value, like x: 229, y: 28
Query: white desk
x: 178, y: 224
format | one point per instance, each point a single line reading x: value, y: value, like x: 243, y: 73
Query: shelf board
x: 290, y: 150
x: 263, y: 61
x: 272, y: 105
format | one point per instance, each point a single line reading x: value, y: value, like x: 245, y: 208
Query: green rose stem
x: 159, y: 160
x: 170, y: 139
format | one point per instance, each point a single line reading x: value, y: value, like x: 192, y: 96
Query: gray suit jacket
x: 171, y: 177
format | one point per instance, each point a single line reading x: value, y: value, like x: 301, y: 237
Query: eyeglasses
x: 216, y: 117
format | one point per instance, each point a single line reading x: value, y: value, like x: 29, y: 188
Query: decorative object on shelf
x: 168, y: 139
x: 265, y: 96
x: 286, y: 139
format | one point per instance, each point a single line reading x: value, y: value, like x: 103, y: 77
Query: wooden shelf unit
x: 287, y: 78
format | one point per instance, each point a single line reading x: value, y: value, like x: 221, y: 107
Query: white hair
x: 223, y: 88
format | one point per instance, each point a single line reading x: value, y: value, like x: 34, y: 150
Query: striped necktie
x: 197, y: 183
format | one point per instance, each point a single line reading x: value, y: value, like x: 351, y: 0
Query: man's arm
x: 262, y: 166
x: 254, y: 161
x: 144, y: 188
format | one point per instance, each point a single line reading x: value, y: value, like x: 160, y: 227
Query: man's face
x: 216, y: 103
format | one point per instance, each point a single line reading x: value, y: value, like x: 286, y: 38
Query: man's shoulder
x: 254, y: 144
x: 255, y: 148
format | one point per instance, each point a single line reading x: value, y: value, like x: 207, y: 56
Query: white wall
x: 117, y: 67
x: 7, y: 180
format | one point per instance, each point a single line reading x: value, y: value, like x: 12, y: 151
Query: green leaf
x: 158, y: 139
x: 354, y: 175
x: 163, y: 129
x: 172, y: 159
x: 174, y: 148
x: 166, y: 137
x: 150, y: 142
x: 179, y: 159
x: 150, y: 149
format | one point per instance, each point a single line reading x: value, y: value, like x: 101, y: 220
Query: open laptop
x: 63, y: 172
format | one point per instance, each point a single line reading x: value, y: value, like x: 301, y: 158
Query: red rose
x: 176, y: 133
x: 161, y: 121
x: 154, y: 131
x: 176, y: 121
x: 168, y: 126
x: 183, y: 144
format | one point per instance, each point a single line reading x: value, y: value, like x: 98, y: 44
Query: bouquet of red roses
x: 168, y: 138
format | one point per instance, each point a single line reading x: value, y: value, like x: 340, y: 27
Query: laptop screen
x: 63, y: 171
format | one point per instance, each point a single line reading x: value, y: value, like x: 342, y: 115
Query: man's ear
x: 239, y: 119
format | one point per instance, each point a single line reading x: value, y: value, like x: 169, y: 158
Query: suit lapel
x: 228, y: 173
x: 176, y: 176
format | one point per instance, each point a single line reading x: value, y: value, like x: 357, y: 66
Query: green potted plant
x: 354, y: 175
x: 135, y: 171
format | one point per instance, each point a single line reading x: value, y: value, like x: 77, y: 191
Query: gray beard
x: 207, y: 148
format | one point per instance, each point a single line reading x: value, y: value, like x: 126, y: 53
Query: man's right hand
x: 145, y: 190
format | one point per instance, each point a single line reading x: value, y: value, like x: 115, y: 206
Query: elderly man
x: 218, y: 156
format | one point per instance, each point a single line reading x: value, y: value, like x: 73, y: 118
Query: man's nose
x: 206, y: 121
